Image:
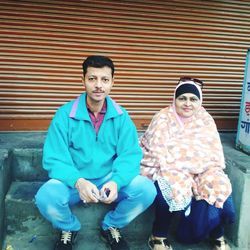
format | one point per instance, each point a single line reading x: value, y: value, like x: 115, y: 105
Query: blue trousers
x: 204, y: 220
x: 54, y: 200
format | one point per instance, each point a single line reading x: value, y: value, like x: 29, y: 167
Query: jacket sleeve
x: 56, y: 156
x: 127, y: 163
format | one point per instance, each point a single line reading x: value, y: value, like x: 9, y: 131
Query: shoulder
x: 120, y: 117
x: 124, y: 111
x: 124, y: 116
x: 116, y: 110
x: 163, y: 114
x: 166, y: 111
x: 65, y: 109
x: 161, y: 119
x: 204, y: 114
x: 205, y: 117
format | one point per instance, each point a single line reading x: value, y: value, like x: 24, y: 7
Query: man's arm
x: 127, y: 163
x: 56, y: 156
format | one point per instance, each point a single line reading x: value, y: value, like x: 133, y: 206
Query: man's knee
x: 144, y: 186
x: 53, y: 191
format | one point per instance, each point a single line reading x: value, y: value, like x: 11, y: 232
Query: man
x: 92, y: 155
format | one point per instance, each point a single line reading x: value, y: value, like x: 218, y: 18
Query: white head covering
x: 192, y: 83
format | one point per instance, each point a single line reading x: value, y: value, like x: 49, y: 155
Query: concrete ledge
x: 5, y: 180
x: 22, y: 217
x: 238, y: 170
x: 26, y: 166
x: 22, y: 140
x: 20, y: 208
x: 26, y: 229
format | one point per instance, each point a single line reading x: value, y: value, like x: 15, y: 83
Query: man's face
x: 98, y: 83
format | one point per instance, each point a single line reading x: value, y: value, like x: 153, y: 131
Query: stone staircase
x: 22, y: 227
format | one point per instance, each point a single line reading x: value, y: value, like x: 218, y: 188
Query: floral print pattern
x: 187, y: 156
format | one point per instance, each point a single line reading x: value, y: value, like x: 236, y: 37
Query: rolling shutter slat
x: 152, y: 44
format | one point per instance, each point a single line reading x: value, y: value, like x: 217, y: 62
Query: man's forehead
x: 97, y: 71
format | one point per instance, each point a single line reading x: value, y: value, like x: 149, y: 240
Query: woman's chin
x: 186, y: 114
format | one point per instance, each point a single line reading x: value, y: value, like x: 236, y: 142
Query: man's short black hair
x: 98, y: 62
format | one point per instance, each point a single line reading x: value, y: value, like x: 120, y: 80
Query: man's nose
x: 98, y: 83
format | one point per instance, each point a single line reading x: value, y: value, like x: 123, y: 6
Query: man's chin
x: 98, y: 100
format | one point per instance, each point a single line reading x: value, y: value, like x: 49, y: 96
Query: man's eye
x: 91, y: 78
x: 194, y: 99
x: 106, y: 80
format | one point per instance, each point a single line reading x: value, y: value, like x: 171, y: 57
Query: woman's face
x: 187, y: 104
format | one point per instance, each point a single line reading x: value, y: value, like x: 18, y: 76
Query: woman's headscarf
x: 188, y: 87
x: 182, y: 88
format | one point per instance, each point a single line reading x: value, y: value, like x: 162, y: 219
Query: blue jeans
x: 54, y: 200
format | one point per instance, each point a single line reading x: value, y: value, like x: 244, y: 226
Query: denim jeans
x: 54, y: 200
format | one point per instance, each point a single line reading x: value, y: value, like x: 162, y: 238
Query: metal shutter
x: 153, y: 43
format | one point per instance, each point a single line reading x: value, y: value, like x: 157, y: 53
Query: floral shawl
x: 185, y: 158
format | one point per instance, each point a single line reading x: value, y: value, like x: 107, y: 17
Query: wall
x: 153, y: 43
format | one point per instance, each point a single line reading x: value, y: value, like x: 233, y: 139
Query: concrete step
x: 27, y: 164
x: 24, y: 221
x: 26, y: 229
x: 23, y: 164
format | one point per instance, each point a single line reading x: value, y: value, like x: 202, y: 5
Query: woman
x: 183, y: 155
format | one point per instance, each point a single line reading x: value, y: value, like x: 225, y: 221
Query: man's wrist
x: 78, y: 181
x: 113, y: 181
x: 118, y: 185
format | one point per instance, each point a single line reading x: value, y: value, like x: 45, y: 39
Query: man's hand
x: 113, y: 192
x: 88, y: 191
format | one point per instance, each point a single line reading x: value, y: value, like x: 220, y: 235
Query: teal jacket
x: 73, y: 150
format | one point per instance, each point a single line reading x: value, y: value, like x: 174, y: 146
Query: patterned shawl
x: 187, y: 156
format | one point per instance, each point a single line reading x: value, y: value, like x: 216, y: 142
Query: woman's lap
x: 203, y: 219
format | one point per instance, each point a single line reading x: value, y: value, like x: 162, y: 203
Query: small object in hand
x: 105, y: 194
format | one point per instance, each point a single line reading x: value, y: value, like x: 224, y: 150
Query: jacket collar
x: 79, y: 109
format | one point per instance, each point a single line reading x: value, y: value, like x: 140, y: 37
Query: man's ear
x: 83, y: 82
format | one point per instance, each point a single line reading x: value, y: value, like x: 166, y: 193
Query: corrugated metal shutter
x: 153, y: 43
